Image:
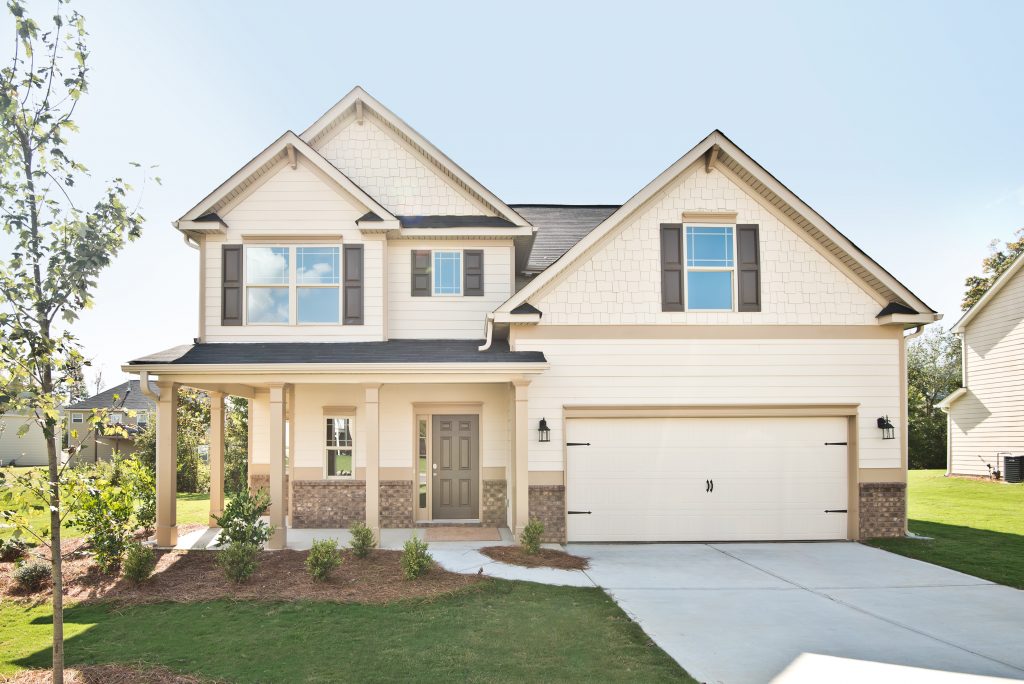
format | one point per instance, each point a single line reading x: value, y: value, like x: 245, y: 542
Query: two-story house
x: 711, y: 360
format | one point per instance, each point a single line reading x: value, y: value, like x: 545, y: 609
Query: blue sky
x: 901, y: 123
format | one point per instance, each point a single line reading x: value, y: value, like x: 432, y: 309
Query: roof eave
x: 1001, y: 281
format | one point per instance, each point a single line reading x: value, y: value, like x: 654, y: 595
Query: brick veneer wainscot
x: 328, y: 503
x: 547, y: 504
x: 883, y: 509
x: 396, y: 503
x: 262, y: 481
x: 495, y: 504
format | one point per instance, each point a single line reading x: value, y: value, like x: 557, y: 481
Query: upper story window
x: 77, y: 418
x: 292, y: 285
x: 710, y: 268
x: 448, y: 273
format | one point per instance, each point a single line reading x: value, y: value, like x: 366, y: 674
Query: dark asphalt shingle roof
x: 129, y: 396
x: 392, y: 351
x: 559, y: 227
x: 895, y: 308
x: 527, y: 308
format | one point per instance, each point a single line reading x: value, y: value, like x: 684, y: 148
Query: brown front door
x: 456, y: 467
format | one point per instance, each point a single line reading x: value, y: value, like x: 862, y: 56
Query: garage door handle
x: 836, y: 444
x: 569, y: 444
x: 578, y: 512
x: 835, y: 510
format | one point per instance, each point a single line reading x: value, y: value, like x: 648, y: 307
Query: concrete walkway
x: 812, y: 612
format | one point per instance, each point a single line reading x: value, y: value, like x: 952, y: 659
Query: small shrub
x: 362, y: 539
x: 415, y: 558
x: 241, y: 521
x: 239, y: 560
x: 31, y: 576
x: 323, y: 559
x: 11, y: 550
x: 139, y: 563
x: 530, y: 538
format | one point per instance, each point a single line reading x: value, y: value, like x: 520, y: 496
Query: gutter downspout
x: 488, y: 333
x: 146, y: 389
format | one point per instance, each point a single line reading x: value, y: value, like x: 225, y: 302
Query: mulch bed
x: 544, y: 558
x: 107, y: 674
x: 188, y: 576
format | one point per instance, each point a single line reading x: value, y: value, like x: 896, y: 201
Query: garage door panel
x: 648, y: 479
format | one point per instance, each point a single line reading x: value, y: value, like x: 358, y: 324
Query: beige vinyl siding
x: 295, y: 202
x: 989, y: 418
x: 29, y: 449
x: 453, y: 317
x: 595, y: 372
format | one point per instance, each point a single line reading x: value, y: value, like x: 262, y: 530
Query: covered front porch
x: 400, y: 448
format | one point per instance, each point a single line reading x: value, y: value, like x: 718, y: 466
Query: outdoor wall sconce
x: 543, y: 433
x: 887, y: 428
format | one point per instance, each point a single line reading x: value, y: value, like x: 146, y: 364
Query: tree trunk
x: 55, y: 555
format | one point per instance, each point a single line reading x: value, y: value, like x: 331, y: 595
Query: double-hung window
x: 340, y: 446
x: 287, y: 285
x: 448, y: 273
x: 710, y: 268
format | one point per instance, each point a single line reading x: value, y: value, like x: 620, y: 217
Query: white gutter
x: 335, y: 368
x: 488, y: 333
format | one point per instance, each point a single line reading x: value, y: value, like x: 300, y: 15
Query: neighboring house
x: 128, y: 413
x: 25, y: 450
x: 708, y: 361
x: 986, y: 415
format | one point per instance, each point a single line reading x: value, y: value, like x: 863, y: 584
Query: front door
x: 456, y: 467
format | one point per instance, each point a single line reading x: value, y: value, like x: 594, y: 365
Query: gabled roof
x: 360, y: 103
x: 723, y: 152
x: 129, y: 396
x: 1005, y: 277
x: 559, y: 227
x: 206, y: 212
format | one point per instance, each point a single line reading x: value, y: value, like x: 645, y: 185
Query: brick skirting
x: 262, y: 481
x: 396, y: 502
x: 547, y: 504
x: 883, y: 509
x: 328, y: 503
x: 494, y: 506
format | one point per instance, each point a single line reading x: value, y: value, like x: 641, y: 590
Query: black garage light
x: 544, y: 434
x: 887, y: 428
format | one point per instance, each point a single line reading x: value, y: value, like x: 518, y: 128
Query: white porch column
x: 216, y: 455
x: 167, y: 464
x: 520, y: 462
x: 275, y: 426
x: 371, y: 409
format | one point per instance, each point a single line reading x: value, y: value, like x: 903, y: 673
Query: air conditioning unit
x: 1013, y: 468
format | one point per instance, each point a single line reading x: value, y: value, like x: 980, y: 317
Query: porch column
x: 371, y: 438
x: 167, y: 464
x: 275, y: 426
x: 520, y: 463
x: 216, y: 455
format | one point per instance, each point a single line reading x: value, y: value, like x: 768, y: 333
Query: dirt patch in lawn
x: 107, y: 674
x: 187, y: 576
x: 544, y: 558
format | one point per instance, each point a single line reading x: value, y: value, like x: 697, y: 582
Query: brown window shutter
x: 473, y: 273
x: 421, y: 273
x: 352, y: 290
x: 231, y: 285
x: 748, y: 267
x: 672, y: 271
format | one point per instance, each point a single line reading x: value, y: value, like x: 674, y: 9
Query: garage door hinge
x: 568, y: 444
x: 835, y: 444
x: 577, y: 512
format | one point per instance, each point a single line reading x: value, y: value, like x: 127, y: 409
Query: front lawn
x: 496, y: 631
x: 977, y: 526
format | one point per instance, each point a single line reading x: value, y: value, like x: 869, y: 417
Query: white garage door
x: 706, y: 479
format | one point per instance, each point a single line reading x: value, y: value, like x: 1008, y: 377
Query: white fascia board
x: 952, y: 397
x: 529, y: 319
x: 1000, y: 283
x: 909, y: 319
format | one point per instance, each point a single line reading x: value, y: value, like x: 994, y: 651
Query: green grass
x: 977, y: 526
x: 504, y: 631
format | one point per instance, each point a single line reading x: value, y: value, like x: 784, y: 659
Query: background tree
x: 236, y: 445
x: 992, y: 267
x: 193, y: 429
x: 933, y: 371
x: 59, y: 244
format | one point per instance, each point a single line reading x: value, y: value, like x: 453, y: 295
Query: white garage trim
x: 847, y: 411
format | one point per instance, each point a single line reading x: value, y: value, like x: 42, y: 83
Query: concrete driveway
x: 741, y: 613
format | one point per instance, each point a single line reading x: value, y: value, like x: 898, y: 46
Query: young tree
x: 60, y: 244
x: 992, y: 267
x: 236, y: 445
x: 933, y: 371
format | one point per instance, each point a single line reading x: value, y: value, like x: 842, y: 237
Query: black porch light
x: 887, y: 428
x: 543, y: 432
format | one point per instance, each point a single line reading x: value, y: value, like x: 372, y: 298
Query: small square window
x: 77, y: 418
x: 447, y: 273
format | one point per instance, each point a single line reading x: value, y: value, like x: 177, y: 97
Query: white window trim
x: 324, y: 448
x: 714, y: 269
x: 461, y: 272
x: 292, y: 286
x: 77, y: 418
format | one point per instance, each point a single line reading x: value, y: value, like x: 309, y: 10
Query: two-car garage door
x: 706, y: 479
